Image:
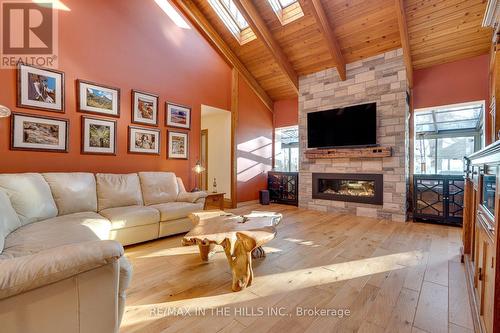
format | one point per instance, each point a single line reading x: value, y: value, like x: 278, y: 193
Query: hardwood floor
x: 392, y: 277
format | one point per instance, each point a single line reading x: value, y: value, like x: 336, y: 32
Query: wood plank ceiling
x: 439, y: 31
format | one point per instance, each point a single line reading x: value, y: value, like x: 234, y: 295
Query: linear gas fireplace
x: 363, y: 188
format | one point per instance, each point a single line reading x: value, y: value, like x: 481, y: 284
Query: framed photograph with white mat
x: 178, y: 116
x: 97, y: 99
x: 178, y: 145
x: 143, y: 140
x: 38, y: 133
x: 144, y: 108
x: 98, y: 136
x: 40, y: 89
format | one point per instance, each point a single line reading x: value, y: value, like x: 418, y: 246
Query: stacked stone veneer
x: 380, y: 79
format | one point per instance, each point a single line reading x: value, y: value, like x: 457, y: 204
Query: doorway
x: 215, y: 151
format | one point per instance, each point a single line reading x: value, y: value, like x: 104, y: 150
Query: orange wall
x: 286, y: 113
x: 461, y: 81
x: 254, y: 144
x: 131, y: 45
x: 456, y: 82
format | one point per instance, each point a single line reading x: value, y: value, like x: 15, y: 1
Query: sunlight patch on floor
x: 272, y: 284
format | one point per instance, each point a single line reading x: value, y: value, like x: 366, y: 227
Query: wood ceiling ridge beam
x: 405, y: 41
x: 327, y: 32
x: 259, y: 27
x: 196, y: 17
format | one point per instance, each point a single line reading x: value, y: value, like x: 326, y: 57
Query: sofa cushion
x: 180, y: 185
x: 158, y: 187
x: 9, y: 221
x: 176, y: 210
x: 29, y: 195
x: 118, y: 190
x: 73, y: 192
x: 54, y: 232
x: 131, y: 216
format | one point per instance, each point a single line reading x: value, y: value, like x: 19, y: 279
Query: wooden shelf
x: 373, y: 152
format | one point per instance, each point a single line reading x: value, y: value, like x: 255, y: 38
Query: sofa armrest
x: 191, y: 196
x: 18, y: 275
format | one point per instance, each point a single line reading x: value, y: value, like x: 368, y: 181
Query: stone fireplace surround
x: 380, y: 79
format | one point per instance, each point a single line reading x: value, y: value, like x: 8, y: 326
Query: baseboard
x: 247, y: 203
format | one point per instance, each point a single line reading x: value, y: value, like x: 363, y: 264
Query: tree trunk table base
x: 241, y: 237
x: 258, y: 252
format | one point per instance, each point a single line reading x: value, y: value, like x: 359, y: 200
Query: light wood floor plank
x: 432, y: 308
x: 389, y: 275
x: 459, y: 308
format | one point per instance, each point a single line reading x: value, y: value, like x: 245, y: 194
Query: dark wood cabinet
x: 438, y: 198
x: 283, y: 187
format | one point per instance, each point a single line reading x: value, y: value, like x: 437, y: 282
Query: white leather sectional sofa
x: 62, y: 267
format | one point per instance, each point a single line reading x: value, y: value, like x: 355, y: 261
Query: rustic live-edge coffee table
x: 241, y: 237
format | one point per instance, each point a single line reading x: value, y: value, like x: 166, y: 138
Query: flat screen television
x: 352, y: 126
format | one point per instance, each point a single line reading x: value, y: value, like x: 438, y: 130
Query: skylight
x: 233, y: 19
x: 286, y: 10
x: 286, y: 3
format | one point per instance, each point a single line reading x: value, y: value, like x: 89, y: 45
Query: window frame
x: 286, y: 14
x: 434, y: 135
x: 242, y: 35
x: 288, y: 147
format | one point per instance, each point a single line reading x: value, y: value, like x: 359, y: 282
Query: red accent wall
x: 254, y: 137
x: 456, y: 82
x: 461, y: 81
x: 131, y: 45
x: 286, y: 113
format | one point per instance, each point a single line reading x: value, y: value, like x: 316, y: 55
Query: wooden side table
x: 214, y: 200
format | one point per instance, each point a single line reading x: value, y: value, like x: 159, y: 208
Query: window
x: 286, y: 3
x: 443, y: 136
x: 233, y: 20
x: 286, y: 153
x: 286, y: 10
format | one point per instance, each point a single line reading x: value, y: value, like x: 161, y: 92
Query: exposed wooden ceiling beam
x: 405, y: 40
x: 327, y: 32
x: 189, y: 8
x: 250, y: 13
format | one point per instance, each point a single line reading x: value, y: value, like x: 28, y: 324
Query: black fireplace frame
x: 378, y: 179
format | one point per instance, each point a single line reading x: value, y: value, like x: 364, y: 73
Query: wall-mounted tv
x: 352, y: 126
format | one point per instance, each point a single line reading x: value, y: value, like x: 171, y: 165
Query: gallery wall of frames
x: 99, y: 105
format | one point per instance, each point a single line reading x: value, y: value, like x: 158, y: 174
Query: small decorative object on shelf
x: 214, y: 186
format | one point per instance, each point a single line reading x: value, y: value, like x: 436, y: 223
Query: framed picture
x: 38, y: 133
x: 144, y: 108
x: 40, y: 89
x: 178, y: 145
x: 98, y: 99
x: 178, y: 116
x: 98, y: 136
x: 143, y: 140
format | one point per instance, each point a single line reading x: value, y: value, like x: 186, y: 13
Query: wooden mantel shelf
x: 373, y: 152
